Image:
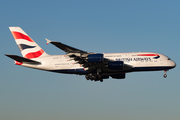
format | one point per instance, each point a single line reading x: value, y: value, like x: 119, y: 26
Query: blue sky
x: 95, y: 26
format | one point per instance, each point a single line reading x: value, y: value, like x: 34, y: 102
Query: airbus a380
x: 95, y: 66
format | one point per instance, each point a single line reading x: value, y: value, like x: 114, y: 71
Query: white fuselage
x: 139, y: 61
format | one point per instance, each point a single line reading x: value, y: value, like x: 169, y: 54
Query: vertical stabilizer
x: 27, y: 46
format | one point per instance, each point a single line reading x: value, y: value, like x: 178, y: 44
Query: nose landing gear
x: 165, y: 75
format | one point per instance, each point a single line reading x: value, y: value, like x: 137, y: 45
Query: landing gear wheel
x: 101, y: 80
x: 87, y: 77
x: 165, y: 75
x: 99, y: 76
x: 91, y: 77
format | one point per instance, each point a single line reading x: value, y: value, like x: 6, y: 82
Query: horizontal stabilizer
x: 22, y: 59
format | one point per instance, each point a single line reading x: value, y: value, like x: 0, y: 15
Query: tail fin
x: 29, y: 49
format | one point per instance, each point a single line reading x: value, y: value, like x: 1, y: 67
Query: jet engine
x: 105, y: 76
x: 95, y: 58
x: 116, y: 65
x: 119, y: 76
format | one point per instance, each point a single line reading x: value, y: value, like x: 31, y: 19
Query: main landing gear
x: 165, y: 75
x: 94, y: 77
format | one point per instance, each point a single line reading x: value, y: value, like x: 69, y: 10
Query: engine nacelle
x: 105, y: 76
x: 96, y: 58
x: 116, y: 65
x: 119, y: 76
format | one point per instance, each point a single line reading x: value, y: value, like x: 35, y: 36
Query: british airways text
x: 134, y: 59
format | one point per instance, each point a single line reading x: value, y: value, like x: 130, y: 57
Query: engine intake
x: 96, y: 58
x: 116, y: 65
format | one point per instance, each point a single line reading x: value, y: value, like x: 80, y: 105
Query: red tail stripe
x: 148, y: 55
x: 18, y: 35
x: 34, y: 54
x: 18, y: 63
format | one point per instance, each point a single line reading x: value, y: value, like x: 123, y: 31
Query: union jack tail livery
x: 29, y: 49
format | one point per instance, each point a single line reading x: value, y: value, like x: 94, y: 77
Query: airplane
x: 95, y: 66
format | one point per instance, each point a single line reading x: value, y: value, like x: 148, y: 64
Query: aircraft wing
x: 64, y: 47
x: 80, y: 56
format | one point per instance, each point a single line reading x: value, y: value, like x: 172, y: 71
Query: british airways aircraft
x: 95, y: 66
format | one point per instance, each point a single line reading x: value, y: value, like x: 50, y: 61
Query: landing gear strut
x: 94, y: 77
x: 164, y: 74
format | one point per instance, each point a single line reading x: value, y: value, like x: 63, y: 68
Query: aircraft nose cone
x: 173, y: 64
